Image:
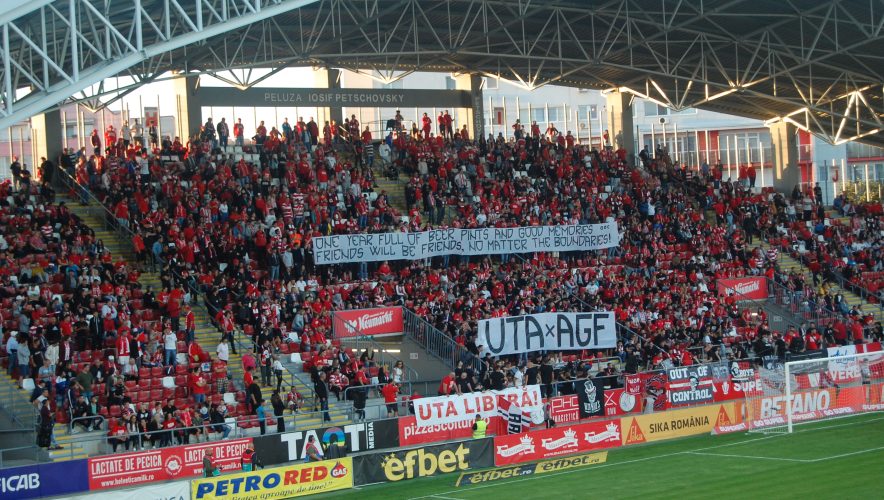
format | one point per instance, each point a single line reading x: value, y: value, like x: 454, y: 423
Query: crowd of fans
x: 96, y: 350
x: 236, y: 224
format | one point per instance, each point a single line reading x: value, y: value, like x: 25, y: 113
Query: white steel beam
x: 82, y: 78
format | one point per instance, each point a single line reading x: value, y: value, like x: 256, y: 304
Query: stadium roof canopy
x: 818, y: 64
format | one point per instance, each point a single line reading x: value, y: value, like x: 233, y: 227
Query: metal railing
x: 349, y: 391
x: 365, y: 343
x: 100, y: 418
x: 436, y: 342
x: 800, y: 304
x: 860, y: 291
x: 20, y: 455
x: 16, y: 405
x: 127, y: 234
x: 64, y: 179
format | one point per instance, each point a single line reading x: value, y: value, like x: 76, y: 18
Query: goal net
x: 788, y: 393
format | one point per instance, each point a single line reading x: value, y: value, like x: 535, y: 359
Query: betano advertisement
x: 165, y: 464
x: 278, y: 482
x: 563, y: 440
x: 806, y: 405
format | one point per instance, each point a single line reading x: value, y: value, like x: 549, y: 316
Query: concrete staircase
x: 395, y: 192
x: 789, y: 264
x: 208, y: 336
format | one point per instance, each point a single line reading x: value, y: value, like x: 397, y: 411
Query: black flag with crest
x: 591, y: 396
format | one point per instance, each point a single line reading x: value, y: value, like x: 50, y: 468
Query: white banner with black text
x: 365, y: 247
x: 564, y: 331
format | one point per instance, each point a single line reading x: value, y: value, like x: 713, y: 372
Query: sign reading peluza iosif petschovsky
x: 455, y: 408
x: 343, y: 248
x: 547, y: 331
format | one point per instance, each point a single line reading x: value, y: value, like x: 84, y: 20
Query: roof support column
x: 621, y: 129
x: 784, y: 145
x: 478, y: 107
x: 335, y: 112
x: 190, y: 113
x: 48, y: 137
x: 465, y: 116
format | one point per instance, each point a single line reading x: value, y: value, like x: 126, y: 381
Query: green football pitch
x: 836, y: 459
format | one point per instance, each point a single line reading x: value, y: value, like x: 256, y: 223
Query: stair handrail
x: 436, y: 342
x: 857, y: 289
x: 110, y: 220
x: 777, y: 293
x: 127, y: 234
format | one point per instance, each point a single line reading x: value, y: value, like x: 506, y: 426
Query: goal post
x: 793, y: 392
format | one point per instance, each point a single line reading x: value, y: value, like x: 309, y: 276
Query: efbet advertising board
x: 423, y: 462
x: 675, y: 423
x: 277, y: 482
x: 546, y: 466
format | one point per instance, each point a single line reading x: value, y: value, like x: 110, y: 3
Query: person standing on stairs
x: 170, y: 348
x: 223, y: 351
x: 320, y: 388
x: 278, y: 409
x: 189, y: 324
x: 228, y: 327
x: 266, y: 363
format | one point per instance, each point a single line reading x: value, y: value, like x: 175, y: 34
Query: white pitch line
x: 847, y: 454
x: 747, y: 456
x: 645, y: 459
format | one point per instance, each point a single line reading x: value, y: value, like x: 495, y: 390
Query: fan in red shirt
x: 391, y: 393
x: 447, y: 387
x: 199, y: 386
x: 117, y: 434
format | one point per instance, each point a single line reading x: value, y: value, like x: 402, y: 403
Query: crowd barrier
x: 170, y: 490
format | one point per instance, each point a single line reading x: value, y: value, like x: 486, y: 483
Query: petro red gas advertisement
x: 749, y: 288
x: 376, y: 322
x: 164, y: 464
x: 562, y: 440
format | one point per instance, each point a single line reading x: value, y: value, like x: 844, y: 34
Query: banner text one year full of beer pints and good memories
x: 344, y: 248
